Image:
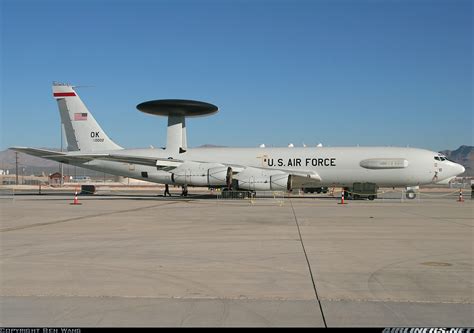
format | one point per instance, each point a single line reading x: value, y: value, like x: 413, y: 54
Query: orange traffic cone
x: 342, y: 198
x: 76, y: 201
x: 460, y: 199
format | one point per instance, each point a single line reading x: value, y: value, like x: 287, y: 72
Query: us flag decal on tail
x: 80, y: 116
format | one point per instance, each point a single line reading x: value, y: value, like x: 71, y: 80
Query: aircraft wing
x: 37, y: 152
x: 300, y: 178
x: 69, y: 157
x: 57, y: 156
x: 165, y: 164
x: 63, y: 157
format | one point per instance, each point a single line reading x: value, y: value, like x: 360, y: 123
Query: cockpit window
x: 440, y: 157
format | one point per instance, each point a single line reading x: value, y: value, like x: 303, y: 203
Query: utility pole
x: 16, y: 167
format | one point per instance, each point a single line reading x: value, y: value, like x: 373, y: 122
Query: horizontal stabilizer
x: 37, y: 152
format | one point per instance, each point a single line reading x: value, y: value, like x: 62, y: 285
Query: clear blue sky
x: 337, y: 72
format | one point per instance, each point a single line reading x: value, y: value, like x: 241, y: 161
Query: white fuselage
x: 336, y: 166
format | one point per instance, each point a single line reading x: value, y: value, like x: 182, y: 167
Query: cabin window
x: 144, y: 174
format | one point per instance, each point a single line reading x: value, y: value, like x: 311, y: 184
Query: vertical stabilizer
x: 82, y: 130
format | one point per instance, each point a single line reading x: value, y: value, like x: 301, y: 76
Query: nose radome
x: 460, y: 168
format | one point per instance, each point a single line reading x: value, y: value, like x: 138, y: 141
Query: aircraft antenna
x: 84, y: 86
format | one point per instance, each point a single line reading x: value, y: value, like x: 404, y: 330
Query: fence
x: 7, y: 193
x: 277, y: 197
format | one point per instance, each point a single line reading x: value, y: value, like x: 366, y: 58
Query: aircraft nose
x: 459, y: 169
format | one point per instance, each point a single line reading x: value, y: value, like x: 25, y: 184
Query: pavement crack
x: 309, y: 266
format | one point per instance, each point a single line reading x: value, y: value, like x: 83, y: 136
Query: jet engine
x: 255, y: 179
x: 202, y: 174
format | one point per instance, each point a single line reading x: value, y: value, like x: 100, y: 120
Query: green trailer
x: 364, y: 191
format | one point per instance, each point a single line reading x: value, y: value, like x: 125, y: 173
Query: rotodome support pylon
x: 177, y: 110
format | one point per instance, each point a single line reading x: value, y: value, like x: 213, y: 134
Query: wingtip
x: 17, y: 148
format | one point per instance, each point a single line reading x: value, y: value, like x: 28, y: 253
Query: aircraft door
x: 263, y: 160
x: 437, y: 168
x: 251, y: 185
x: 228, y: 178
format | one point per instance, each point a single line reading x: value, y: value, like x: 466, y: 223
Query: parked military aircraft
x: 252, y: 169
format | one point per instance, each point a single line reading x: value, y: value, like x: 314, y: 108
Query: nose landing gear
x: 411, y: 192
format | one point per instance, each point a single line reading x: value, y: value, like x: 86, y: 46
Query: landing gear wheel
x: 410, y: 194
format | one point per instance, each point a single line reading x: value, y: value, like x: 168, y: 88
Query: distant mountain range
x: 36, y: 166
x: 464, y: 155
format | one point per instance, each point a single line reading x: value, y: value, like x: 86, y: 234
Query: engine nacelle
x: 202, y: 174
x: 159, y: 177
x: 254, y: 179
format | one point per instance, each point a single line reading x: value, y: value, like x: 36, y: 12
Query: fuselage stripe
x: 64, y: 94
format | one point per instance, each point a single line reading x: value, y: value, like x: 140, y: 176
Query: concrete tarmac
x: 197, y: 261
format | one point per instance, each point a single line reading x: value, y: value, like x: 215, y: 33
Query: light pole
x: 16, y: 167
